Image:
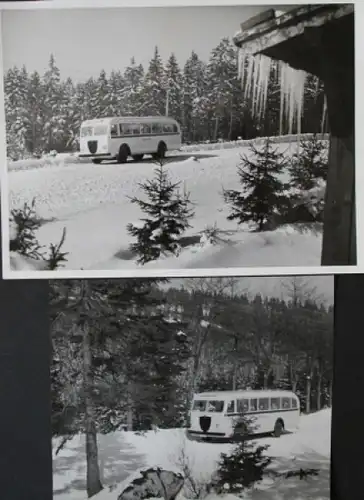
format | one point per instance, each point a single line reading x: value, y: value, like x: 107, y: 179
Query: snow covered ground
x: 122, y: 454
x: 92, y: 203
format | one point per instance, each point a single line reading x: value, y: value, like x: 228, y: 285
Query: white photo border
x: 178, y: 273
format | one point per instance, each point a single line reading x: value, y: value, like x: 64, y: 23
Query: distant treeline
x: 44, y: 112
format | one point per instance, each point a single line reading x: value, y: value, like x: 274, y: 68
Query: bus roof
x: 244, y: 393
x: 118, y: 119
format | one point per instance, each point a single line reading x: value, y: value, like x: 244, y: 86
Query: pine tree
x: 168, y: 214
x: 174, y: 86
x: 101, y: 97
x: 133, y: 98
x: 310, y: 164
x: 195, y: 99
x: 17, y: 117
x: 34, y: 104
x: 224, y: 90
x: 262, y: 194
x: 155, y: 87
x: 242, y: 468
x: 52, y: 130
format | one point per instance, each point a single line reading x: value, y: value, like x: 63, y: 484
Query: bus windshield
x: 210, y: 406
x: 96, y: 130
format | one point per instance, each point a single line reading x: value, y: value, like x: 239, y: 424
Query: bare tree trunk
x: 308, y: 394
x: 94, y: 485
x: 231, y: 124
x: 294, y: 385
x: 319, y: 391
x: 216, y: 128
x: 266, y: 378
x: 236, y: 363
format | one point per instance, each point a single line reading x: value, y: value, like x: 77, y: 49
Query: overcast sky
x: 84, y: 41
x: 321, y: 288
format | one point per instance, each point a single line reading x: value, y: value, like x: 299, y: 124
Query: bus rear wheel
x: 138, y: 157
x: 161, y: 151
x: 123, y: 154
x: 278, y: 429
x: 96, y: 161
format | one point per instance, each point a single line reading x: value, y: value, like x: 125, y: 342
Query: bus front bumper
x: 204, y: 436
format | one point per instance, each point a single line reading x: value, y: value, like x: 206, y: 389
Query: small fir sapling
x: 244, y: 466
x: 167, y: 216
x: 24, y: 222
x: 262, y: 193
x: 310, y: 165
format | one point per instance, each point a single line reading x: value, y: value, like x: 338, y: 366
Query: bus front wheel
x: 123, y: 154
x: 278, y: 428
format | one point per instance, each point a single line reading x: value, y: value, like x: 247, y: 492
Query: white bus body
x: 215, y: 414
x: 118, y: 138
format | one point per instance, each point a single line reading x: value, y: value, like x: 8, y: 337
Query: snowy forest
x: 129, y: 355
x: 44, y: 111
x: 205, y: 335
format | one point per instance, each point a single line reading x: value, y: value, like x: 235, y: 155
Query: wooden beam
x: 339, y: 234
x: 263, y: 17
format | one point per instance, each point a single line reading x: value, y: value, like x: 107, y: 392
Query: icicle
x: 292, y: 94
x: 255, y: 72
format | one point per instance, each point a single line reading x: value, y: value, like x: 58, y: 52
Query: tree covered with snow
x: 168, y: 214
x: 242, y: 468
x: 24, y: 224
x: 107, y: 335
x: 262, y: 193
x: 310, y: 164
x: 44, y: 111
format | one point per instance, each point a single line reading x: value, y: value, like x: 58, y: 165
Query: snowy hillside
x: 123, y: 453
x: 92, y: 203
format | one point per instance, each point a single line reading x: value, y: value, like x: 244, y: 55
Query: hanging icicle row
x: 255, y: 72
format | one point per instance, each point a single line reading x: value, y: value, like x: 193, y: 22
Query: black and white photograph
x: 144, y: 140
x: 192, y: 389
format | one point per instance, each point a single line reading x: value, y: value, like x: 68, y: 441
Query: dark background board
x: 25, y: 429
x: 25, y: 432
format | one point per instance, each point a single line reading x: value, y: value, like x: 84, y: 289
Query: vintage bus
x: 118, y: 138
x: 224, y: 415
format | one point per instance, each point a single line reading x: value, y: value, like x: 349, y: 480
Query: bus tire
x: 138, y: 157
x: 278, y: 428
x: 96, y: 161
x: 123, y: 153
x: 161, y: 151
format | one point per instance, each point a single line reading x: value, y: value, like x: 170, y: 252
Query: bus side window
x: 135, y: 127
x: 175, y: 128
x: 114, y: 130
x: 146, y: 128
x: 167, y: 128
x: 242, y: 405
x: 286, y: 403
x: 263, y: 404
x: 125, y: 129
x: 253, y: 405
x: 231, y: 407
x: 294, y: 403
x: 275, y: 403
x: 157, y: 128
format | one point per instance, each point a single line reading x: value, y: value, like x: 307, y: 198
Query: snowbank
x: 93, y: 203
x: 124, y: 454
